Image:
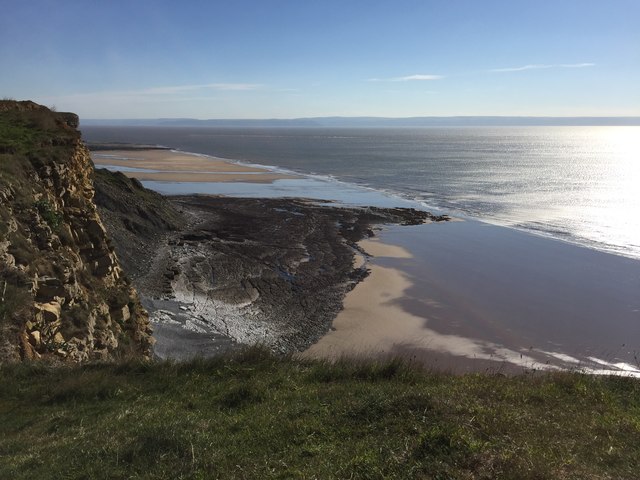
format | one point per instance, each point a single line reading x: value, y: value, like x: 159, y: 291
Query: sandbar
x: 172, y: 166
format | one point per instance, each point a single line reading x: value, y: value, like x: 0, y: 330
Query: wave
x: 571, y: 184
x: 466, y: 207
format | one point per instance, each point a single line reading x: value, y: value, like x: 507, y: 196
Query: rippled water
x: 580, y: 184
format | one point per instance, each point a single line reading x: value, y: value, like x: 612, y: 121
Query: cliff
x: 63, y: 294
x: 136, y: 218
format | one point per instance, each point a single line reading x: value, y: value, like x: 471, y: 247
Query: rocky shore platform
x: 215, y: 272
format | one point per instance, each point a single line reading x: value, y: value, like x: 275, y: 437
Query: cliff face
x: 137, y: 220
x: 62, y: 291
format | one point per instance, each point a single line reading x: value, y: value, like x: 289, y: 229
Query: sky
x: 295, y: 58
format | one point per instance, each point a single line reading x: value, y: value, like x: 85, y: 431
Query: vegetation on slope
x: 256, y: 416
x: 29, y: 138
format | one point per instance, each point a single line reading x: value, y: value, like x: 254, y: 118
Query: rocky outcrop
x: 267, y: 271
x: 137, y: 219
x: 62, y: 291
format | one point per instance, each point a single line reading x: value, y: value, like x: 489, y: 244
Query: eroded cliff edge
x: 63, y: 294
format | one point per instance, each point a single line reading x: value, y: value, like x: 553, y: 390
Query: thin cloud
x: 163, y: 92
x: 577, y: 65
x: 520, y: 69
x: 408, y: 78
x: 542, y: 66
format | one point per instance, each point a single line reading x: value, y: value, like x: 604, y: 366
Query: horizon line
x: 370, y: 122
x: 382, y: 117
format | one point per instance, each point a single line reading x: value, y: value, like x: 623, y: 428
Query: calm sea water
x: 579, y: 184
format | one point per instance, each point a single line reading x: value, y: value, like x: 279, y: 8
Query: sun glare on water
x: 614, y: 188
x: 624, y: 179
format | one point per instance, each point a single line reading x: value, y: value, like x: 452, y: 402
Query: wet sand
x: 475, y: 297
x: 376, y: 248
x: 171, y: 166
x: 363, y: 326
x: 374, y: 323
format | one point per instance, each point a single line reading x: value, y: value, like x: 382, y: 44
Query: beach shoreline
x: 374, y: 324
x: 462, y: 297
x: 240, y: 271
x: 465, y: 296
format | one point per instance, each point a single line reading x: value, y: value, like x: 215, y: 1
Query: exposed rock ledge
x: 237, y: 270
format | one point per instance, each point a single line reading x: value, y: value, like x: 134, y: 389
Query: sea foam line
x: 417, y: 201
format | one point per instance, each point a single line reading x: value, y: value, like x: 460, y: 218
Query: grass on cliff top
x: 16, y: 135
x: 22, y: 131
x: 255, y: 416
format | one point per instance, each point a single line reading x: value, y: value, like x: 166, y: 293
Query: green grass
x: 20, y: 130
x: 256, y: 416
x: 18, y: 133
x: 15, y: 136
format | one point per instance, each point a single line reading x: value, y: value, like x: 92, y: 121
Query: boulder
x: 50, y: 312
x: 121, y: 315
x: 35, y: 338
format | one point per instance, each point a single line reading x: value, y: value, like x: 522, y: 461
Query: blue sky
x: 285, y: 59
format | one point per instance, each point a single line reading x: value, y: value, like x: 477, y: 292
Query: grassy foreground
x: 255, y: 416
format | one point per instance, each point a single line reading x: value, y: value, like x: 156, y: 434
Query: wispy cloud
x: 577, y: 65
x: 520, y: 69
x: 168, y: 93
x: 408, y: 78
x: 542, y: 66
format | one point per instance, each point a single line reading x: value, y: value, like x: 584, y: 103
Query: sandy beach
x: 464, y: 296
x: 363, y: 325
x: 374, y: 323
x: 467, y: 296
x: 172, y: 166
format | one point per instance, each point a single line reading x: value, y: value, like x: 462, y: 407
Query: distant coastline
x: 366, y: 122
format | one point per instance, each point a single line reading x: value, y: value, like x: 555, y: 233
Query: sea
x: 576, y: 184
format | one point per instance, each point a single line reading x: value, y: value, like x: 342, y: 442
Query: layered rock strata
x: 63, y: 294
x: 266, y: 271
